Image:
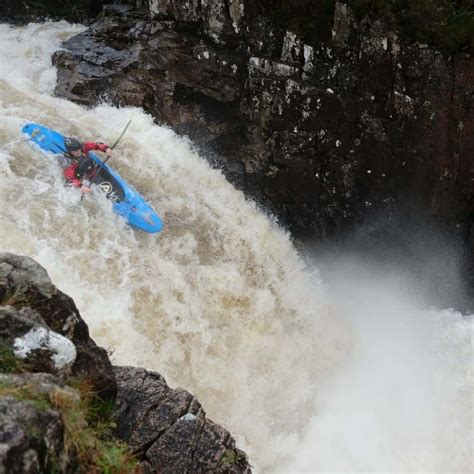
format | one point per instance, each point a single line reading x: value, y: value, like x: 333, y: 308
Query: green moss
x: 232, y: 458
x: 114, y: 459
x: 27, y: 394
x: 87, y: 422
x: 9, y: 363
x: 87, y: 426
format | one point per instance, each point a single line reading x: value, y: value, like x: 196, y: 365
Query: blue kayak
x: 127, y: 202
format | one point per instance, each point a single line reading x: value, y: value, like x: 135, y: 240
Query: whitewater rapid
x: 308, y: 376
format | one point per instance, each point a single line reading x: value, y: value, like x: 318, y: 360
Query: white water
x: 307, y: 377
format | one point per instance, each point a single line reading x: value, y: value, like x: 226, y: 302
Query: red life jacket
x: 83, y: 167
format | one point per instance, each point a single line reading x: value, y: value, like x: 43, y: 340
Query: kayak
x: 127, y: 202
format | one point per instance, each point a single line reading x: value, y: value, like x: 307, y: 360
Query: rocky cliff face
x: 168, y: 429
x: 56, y: 385
x: 324, y: 129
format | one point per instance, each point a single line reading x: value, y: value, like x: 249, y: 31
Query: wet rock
x: 168, y: 429
x: 188, y: 11
x: 24, y: 11
x: 36, y: 317
x: 344, y: 24
x: 24, y: 334
x: 31, y: 431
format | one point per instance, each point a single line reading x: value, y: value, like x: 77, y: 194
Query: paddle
x: 121, y: 135
x: 112, y: 147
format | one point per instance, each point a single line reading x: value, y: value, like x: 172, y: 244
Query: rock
x: 281, y: 114
x: 189, y: 11
x: 41, y: 331
x: 168, y: 429
x: 25, y: 335
x: 25, y: 11
x: 39, y: 316
x: 31, y: 431
x: 344, y: 23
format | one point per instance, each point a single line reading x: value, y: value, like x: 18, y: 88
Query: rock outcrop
x: 31, y: 431
x: 57, y: 388
x: 40, y: 349
x: 168, y: 429
x: 325, y: 129
x: 43, y: 317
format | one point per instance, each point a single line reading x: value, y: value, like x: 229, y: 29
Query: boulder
x: 31, y: 430
x: 168, y: 429
x: 25, y: 336
x: 36, y: 318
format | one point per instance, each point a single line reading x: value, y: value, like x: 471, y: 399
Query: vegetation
x: 87, y: 425
x: 87, y: 439
x: 232, y: 458
x: 25, y: 394
x: 9, y: 363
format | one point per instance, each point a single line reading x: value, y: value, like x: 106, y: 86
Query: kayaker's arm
x: 97, y: 146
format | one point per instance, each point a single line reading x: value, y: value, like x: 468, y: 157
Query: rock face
x: 40, y: 349
x: 168, y: 429
x: 24, y: 11
x: 36, y: 317
x: 325, y: 131
x: 31, y: 433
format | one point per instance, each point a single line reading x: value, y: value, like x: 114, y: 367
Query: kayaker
x: 82, y: 167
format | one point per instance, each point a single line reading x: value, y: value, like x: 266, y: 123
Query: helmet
x: 72, y: 144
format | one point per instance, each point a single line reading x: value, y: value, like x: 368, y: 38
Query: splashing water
x: 220, y: 303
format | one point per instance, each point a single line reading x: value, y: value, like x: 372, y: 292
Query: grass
x: 87, y: 422
x: 232, y: 458
x: 87, y: 419
x: 13, y: 298
x: 9, y: 363
x: 26, y: 393
x: 87, y: 425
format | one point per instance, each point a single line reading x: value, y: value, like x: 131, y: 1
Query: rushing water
x: 307, y: 376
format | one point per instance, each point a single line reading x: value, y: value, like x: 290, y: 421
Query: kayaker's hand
x: 108, y: 151
x: 85, y: 189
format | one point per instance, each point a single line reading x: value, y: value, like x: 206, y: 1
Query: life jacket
x: 86, y: 167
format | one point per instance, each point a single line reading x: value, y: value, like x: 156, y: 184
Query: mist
x: 402, y: 399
